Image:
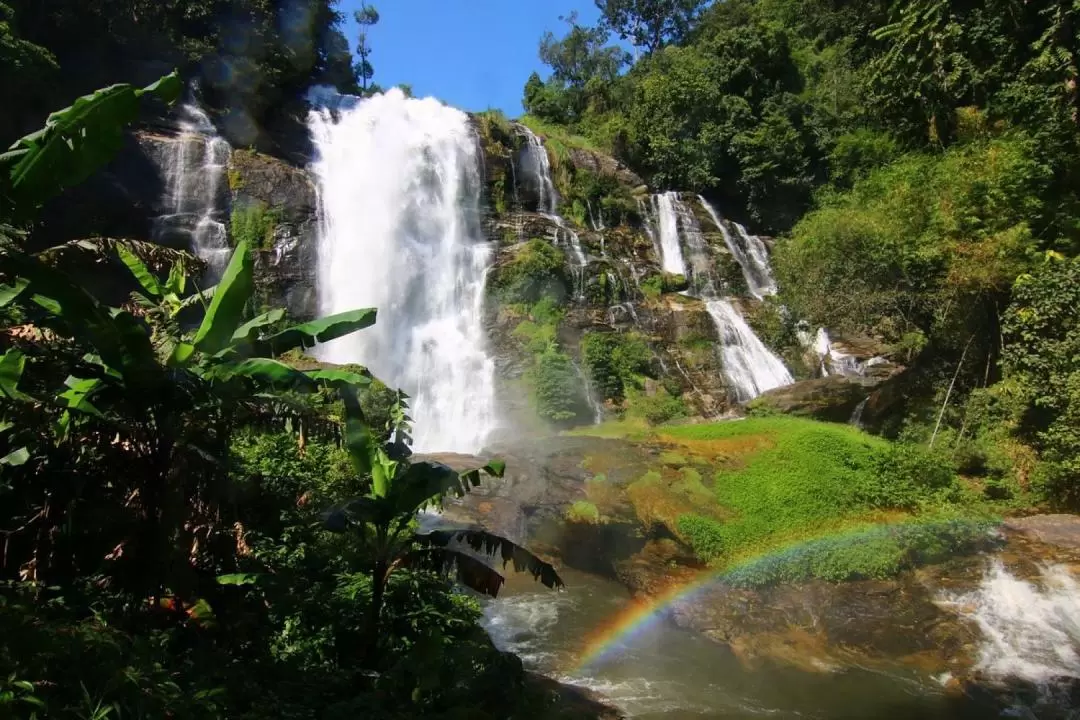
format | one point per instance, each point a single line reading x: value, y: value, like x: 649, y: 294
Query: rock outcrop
x: 286, y: 265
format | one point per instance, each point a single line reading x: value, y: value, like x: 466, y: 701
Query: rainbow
x: 640, y: 614
x: 635, y: 617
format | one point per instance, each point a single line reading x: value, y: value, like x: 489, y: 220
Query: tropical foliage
x: 918, y: 160
x: 164, y: 470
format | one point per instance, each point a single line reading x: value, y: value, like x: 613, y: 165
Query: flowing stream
x: 666, y: 672
x: 399, y: 191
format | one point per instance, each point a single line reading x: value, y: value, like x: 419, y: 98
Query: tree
x: 25, y: 66
x: 382, y: 519
x: 1042, y: 343
x: 650, y: 24
x: 582, y: 65
x: 581, y: 55
x: 366, y: 17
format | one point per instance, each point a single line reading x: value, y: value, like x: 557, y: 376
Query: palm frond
x: 156, y: 257
x: 482, y: 541
x: 466, y: 569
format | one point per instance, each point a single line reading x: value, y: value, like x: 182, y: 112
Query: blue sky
x: 472, y: 54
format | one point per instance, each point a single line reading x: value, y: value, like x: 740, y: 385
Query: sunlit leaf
x: 227, y: 308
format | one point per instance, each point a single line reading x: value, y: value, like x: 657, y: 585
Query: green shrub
x: 537, y: 271
x: 905, y: 476
x: 658, y: 408
x: 254, y: 224
x: 704, y: 536
x: 557, y: 388
x: 614, y: 360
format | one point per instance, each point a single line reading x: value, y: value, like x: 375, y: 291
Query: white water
x: 536, y: 163
x: 399, y: 191
x: 749, y: 251
x: 1031, y: 631
x: 749, y: 366
x: 194, y: 176
x: 671, y: 257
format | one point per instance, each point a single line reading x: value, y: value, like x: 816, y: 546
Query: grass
x: 873, y: 552
x: 777, y: 480
x: 786, y: 499
x: 558, y: 135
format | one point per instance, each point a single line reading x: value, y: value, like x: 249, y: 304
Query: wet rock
x: 285, y: 272
x: 600, y: 164
x: 121, y: 200
x: 833, y: 398
x: 1061, y: 531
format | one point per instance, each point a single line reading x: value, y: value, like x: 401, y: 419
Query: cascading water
x: 749, y: 367
x: 1031, y: 630
x: 671, y: 257
x: 537, y: 163
x: 749, y: 251
x: 195, y: 172
x: 399, y: 191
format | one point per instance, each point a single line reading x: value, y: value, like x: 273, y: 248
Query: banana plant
x: 74, y: 143
x: 382, y: 519
x: 170, y: 398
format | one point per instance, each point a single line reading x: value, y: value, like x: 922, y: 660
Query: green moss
x: 536, y: 271
x: 658, y: 408
x: 703, y: 534
x: 672, y: 458
x: 615, y: 361
x: 254, y: 224
x: 583, y: 511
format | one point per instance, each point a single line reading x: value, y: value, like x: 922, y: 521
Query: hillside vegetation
x: 919, y: 161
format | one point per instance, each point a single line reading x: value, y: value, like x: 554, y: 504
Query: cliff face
x: 582, y: 321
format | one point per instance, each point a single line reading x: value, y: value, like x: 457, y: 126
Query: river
x: 665, y: 672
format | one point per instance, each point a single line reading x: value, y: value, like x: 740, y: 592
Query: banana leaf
x: 227, y: 308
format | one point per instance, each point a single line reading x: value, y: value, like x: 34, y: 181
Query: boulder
x: 286, y: 270
x: 833, y: 398
x: 600, y: 164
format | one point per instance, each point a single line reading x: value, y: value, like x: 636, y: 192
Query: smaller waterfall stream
x: 749, y: 251
x: 749, y: 367
x: 671, y: 257
x: 537, y: 163
x: 195, y: 175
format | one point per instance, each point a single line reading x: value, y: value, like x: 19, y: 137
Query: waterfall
x: 749, y: 251
x: 749, y: 366
x: 1031, y: 631
x: 857, y: 413
x: 836, y: 362
x: 399, y: 191
x: 537, y: 163
x: 671, y: 258
x: 195, y: 172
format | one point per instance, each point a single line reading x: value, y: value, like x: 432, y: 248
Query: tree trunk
x: 378, y: 588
